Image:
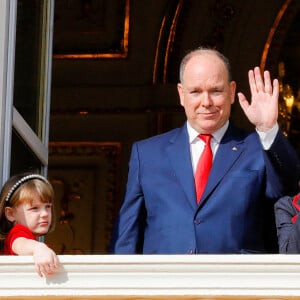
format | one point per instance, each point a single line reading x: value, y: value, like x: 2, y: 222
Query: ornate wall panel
x: 86, y: 178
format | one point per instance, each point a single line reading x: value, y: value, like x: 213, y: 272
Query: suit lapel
x: 178, y: 152
x: 230, y: 149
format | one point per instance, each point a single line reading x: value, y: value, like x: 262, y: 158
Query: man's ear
x: 233, y: 89
x: 180, y: 92
x: 9, y: 214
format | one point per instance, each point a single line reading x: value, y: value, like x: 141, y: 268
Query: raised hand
x: 262, y: 111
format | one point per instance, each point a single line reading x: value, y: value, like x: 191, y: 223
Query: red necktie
x: 203, y: 167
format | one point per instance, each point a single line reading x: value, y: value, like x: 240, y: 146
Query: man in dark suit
x: 250, y: 171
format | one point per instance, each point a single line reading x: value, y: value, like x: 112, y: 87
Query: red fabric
x: 16, y: 232
x: 203, y: 167
x: 297, y: 206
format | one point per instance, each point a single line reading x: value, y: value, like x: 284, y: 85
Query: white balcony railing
x: 145, y: 276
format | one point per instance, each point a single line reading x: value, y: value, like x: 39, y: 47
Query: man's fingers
x: 258, y: 83
x: 268, y: 83
x: 260, y: 86
x: 243, y: 101
x: 276, y: 88
x: 252, y: 83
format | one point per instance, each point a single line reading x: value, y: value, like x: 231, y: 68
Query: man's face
x: 206, y: 93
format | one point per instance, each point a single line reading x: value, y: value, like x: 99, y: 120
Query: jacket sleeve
x: 285, y: 161
x: 127, y: 234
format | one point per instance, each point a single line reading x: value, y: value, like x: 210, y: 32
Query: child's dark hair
x: 22, y: 188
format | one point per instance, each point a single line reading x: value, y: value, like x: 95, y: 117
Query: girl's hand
x: 45, y: 259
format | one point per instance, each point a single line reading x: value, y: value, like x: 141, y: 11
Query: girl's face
x: 36, y: 216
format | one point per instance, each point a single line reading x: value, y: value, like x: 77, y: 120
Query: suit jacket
x: 288, y: 224
x: 159, y: 214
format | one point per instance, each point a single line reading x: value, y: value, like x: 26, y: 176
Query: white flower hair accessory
x: 21, y: 181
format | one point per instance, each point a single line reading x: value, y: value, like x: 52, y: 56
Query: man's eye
x: 217, y: 91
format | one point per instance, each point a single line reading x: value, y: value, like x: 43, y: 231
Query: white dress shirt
x: 197, y: 145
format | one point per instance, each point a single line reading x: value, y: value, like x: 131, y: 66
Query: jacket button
x: 197, y: 221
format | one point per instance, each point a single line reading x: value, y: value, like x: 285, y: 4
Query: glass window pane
x: 28, y: 87
x: 22, y: 158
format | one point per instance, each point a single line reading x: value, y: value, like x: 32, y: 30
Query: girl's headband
x: 21, y: 181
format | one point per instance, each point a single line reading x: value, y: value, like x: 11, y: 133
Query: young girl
x: 26, y: 210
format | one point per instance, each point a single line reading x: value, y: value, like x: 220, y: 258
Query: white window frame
x: 10, y: 118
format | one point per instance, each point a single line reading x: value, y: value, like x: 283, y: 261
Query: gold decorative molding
x: 272, y: 32
x: 117, y: 49
x: 169, y: 44
x: 170, y: 30
x: 277, y: 34
x: 274, y: 58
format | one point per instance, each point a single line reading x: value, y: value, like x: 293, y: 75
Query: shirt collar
x: 218, y: 135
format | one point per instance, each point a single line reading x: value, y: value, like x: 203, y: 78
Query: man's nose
x: 206, y: 99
